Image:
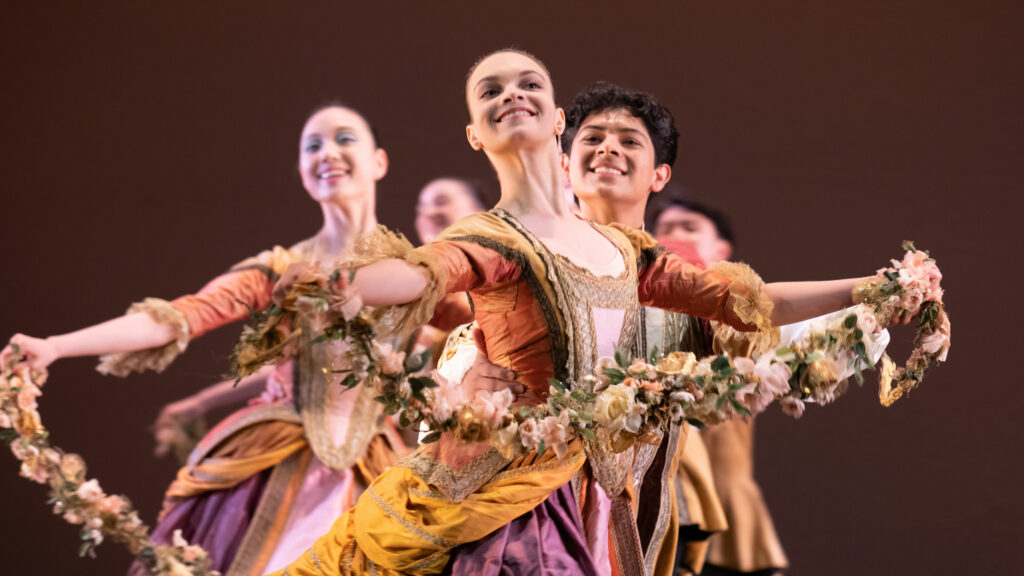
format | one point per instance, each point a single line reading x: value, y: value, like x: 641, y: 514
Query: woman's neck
x: 532, y: 183
x: 344, y: 221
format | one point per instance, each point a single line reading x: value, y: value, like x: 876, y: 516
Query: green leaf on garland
x: 422, y: 382
x: 696, y: 423
x: 350, y: 381
x: 720, y: 402
x: 739, y: 407
x: 615, y: 375
x: 557, y: 385
x: 432, y: 437
x: 418, y: 394
x: 621, y: 359
x: 850, y: 321
x: 720, y: 363
x: 8, y: 435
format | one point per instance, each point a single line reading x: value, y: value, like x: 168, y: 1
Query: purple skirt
x: 216, y: 520
x: 548, y: 540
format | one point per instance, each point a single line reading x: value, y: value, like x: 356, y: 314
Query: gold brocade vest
x: 339, y: 425
x: 578, y: 292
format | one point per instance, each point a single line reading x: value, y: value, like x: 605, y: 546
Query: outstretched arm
x: 153, y: 323
x: 796, y: 301
x: 168, y: 426
x: 128, y: 333
x: 390, y: 282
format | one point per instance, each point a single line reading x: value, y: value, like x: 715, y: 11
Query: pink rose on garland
x: 652, y: 385
x: 639, y: 366
x: 73, y: 518
x: 756, y: 396
x: 529, y: 433
x: 390, y: 362
x: 743, y: 365
x: 113, y: 504
x: 90, y: 491
x: 793, y: 406
x: 605, y: 363
x: 554, y: 430
x: 937, y: 343
x: 447, y: 397
x: 492, y: 406
x: 774, y: 376
x: 27, y: 397
x: 866, y: 320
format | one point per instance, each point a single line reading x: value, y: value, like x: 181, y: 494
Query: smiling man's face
x: 612, y: 160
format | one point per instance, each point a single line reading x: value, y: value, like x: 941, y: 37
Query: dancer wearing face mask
x: 749, y: 544
x: 265, y: 482
x: 553, y: 292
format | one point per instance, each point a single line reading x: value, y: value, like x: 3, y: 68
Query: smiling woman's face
x: 511, y: 103
x: 338, y: 157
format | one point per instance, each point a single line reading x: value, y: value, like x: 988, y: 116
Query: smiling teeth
x: 516, y: 114
x: 604, y: 170
x: 327, y: 175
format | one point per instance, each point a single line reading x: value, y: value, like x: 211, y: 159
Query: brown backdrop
x: 148, y: 146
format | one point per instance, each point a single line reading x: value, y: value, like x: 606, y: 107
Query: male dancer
x: 749, y: 545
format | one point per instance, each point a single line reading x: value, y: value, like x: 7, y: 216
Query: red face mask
x: 685, y: 250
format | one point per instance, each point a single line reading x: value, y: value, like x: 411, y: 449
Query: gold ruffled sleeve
x: 383, y: 244
x: 124, y: 363
x: 226, y: 298
x: 463, y: 259
x: 752, y: 306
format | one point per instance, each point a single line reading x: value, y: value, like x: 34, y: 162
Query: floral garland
x: 631, y: 400
x: 912, y: 285
x: 623, y: 401
x: 79, y: 500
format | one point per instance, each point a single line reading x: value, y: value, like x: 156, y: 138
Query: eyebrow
x: 493, y: 78
x: 339, y: 129
x: 606, y: 128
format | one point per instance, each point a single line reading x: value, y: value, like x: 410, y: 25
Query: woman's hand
x: 297, y: 272
x: 169, y: 425
x: 38, y: 353
x: 184, y: 410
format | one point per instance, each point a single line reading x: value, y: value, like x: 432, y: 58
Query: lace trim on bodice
x: 579, y: 291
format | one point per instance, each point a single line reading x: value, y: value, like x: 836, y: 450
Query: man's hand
x: 484, y: 375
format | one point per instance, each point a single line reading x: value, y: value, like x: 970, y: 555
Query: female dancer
x: 269, y: 479
x: 552, y: 292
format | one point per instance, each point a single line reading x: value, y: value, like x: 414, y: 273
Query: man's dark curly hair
x: 661, y: 126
